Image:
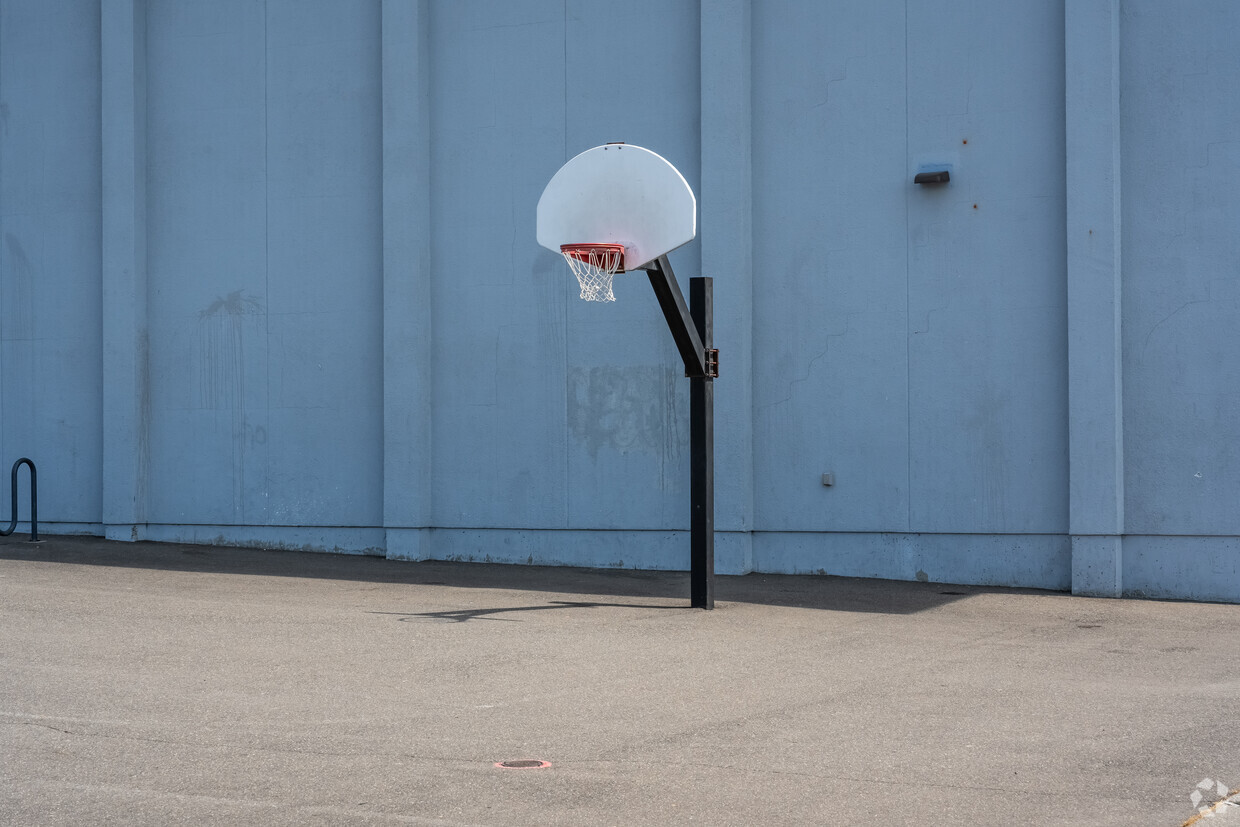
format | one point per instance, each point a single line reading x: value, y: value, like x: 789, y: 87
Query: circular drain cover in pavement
x: 523, y: 765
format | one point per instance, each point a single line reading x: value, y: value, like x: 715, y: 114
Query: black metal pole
x: 702, y: 453
x: 692, y: 329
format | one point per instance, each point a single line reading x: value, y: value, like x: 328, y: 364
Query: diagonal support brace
x: 679, y: 320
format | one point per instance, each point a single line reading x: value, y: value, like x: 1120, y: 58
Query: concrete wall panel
x: 497, y: 113
x: 911, y: 340
x: 628, y: 400
x: 206, y: 258
x: 50, y: 231
x: 830, y: 358
x: 264, y: 248
x: 1181, y: 159
x: 987, y: 275
x: 524, y: 371
x: 324, y: 262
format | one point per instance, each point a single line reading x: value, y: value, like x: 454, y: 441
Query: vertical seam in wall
x: 908, y: 347
x: 383, y: 285
x: 1117, y: 224
x: 100, y: 409
x: 266, y: 267
x: 565, y: 158
x: 565, y: 298
x: 104, y: 145
x: 753, y: 292
x: 426, y: 128
x: 1069, y: 155
x: 142, y: 167
x: 383, y: 281
x: 3, y: 446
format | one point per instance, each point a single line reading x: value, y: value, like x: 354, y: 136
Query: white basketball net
x: 594, y: 265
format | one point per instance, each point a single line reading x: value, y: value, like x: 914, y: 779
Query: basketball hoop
x: 594, y: 265
x: 624, y: 193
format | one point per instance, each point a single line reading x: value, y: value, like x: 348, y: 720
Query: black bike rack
x: 34, y: 502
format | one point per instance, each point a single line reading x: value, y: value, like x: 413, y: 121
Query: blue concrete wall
x: 50, y: 253
x: 910, y: 340
x: 1182, y: 294
x: 264, y: 248
x: 1181, y: 297
x: 550, y: 412
x: 269, y: 276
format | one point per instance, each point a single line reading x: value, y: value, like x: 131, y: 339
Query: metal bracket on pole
x: 692, y: 329
x: 712, y: 359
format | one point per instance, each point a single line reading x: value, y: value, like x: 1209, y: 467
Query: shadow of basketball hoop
x: 466, y: 615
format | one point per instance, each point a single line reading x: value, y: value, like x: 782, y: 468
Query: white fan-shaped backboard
x: 618, y: 194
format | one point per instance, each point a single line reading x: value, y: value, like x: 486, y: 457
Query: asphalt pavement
x: 167, y: 684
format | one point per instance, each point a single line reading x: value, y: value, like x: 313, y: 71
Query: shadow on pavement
x: 796, y: 591
x: 464, y: 615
